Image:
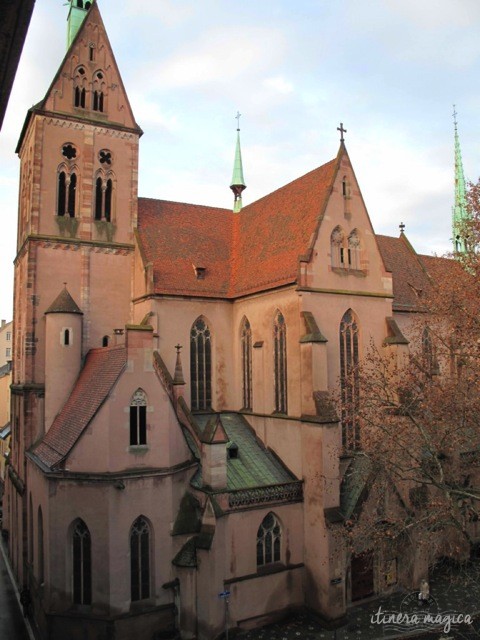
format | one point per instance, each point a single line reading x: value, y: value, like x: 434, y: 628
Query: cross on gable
x: 237, y: 118
x: 342, y: 131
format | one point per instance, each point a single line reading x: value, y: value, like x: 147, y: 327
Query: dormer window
x: 232, y: 450
x: 200, y: 272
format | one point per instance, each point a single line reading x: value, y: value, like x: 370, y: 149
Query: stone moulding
x: 288, y: 492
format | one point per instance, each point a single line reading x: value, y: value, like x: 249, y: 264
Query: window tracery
x: 269, y: 537
x: 82, y: 564
x: 138, y: 418
x: 140, y: 560
x: 349, y: 380
x: 201, y: 365
x: 246, y: 346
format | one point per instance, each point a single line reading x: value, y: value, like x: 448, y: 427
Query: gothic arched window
x: 280, y: 363
x: 82, y: 564
x: 354, y: 250
x: 98, y: 92
x: 337, y: 247
x: 79, y: 91
x: 66, y: 193
x: 429, y: 358
x: 349, y: 380
x: 104, y: 190
x: 140, y: 559
x: 201, y: 365
x: 269, y: 536
x: 138, y: 418
x: 246, y: 344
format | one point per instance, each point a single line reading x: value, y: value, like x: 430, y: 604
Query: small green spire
x: 238, y: 182
x: 460, y: 214
x: 76, y: 15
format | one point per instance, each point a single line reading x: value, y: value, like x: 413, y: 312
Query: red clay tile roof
x: 95, y: 382
x: 410, y: 278
x: 254, y: 250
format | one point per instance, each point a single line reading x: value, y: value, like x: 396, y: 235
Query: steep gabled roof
x: 254, y: 250
x: 95, y: 382
x: 410, y: 278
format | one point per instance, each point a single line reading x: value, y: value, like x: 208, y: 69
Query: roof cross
x: 342, y: 131
x: 237, y: 118
x: 402, y: 227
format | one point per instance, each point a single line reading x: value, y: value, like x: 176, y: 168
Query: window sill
x: 138, y: 449
x: 272, y: 567
x: 348, y: 271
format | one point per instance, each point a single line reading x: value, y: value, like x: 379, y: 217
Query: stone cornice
x: 74, y: 244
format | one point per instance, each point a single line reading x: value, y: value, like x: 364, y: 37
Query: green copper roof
x: 460, y: 214
x: 76, y: 15
x: 254, y: 466
x: 238, y: 181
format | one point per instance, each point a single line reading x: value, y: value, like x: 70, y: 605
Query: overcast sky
x: 390, y: 70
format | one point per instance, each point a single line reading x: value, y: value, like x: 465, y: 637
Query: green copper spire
x: 76, y: 15
x: 460, y: 214
x: 238, y: 182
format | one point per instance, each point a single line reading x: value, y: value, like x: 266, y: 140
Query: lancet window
x: 98, y: 96
x: 82, y: 564
x: 103, y: 198
x: 280, y: 362
x: 140, y: 559
x: 66, y: 192
x: 246, y: 346
x: 79, y: 91
x: 349, y: 380
x: 138, y: 418
x: 201, y: 365
x: 337, y: 247
x: 430, y: 364
x: 354, y: 250
x: 269, y: 536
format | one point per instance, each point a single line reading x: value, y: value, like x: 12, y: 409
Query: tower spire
x: 459, y: 211
x: 238, y: 182
x: 76, y: 14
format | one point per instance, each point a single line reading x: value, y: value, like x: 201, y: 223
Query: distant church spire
x: 238, y: 182
x: 78, y: 11
x: 460, y: 214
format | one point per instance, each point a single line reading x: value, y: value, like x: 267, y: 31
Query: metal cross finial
x: 402, y: 227
x: 237, y: 118
x: 342, y: 131
x: 178, y: 347
x: 454, y: 114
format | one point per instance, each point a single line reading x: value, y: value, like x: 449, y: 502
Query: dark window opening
x: 62, y: 193
x: 98, y: 101
x: 72, y: 191
x: 82, y: 564
x: 69, y: 151
x: 92, y: 53
x: 280, y: 363
x: 201, y: 366
x: 98, y: 199
x: 247, y: 364
x: 140, y: 560
x: 108, y: 200
x: 66, y: 337
x: 138, y: 425
x: 349, y: 381
x: 105, y: 341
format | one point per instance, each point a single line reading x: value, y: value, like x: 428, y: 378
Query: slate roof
x: 64, y: 303
x: 254, y: 250
x: 255, y: 465
x: 95, y: 382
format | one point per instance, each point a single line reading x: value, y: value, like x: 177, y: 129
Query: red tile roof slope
x: 410, y: 278
x: 95, y: 382
x: 253, y: 250
x: 273, y: 232
x: 176, y: 237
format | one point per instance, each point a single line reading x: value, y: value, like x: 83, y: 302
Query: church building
x: 173, y: 436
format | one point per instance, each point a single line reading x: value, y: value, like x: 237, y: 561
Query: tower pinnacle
x: 459, y: 210
x: 77, y: 12
x: 238, y: 182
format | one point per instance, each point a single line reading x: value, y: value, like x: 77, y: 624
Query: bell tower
x: 78, y: 153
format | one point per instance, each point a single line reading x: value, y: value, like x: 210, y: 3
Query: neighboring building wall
x: 6, y: 343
